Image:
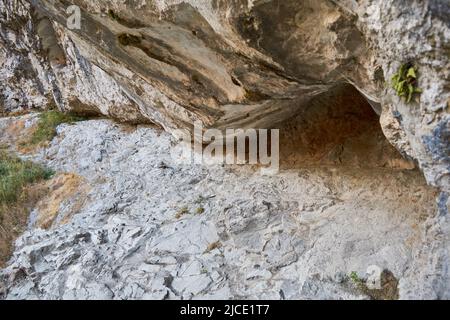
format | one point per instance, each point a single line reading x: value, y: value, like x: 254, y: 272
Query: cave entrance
x: 337, y: 128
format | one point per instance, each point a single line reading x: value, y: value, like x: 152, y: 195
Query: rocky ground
x: 365, y: 171
x: 138, y: 225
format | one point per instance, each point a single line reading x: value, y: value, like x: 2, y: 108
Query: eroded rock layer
x: 221, y: 232
x: 232, y: 63
x: 320, y: 70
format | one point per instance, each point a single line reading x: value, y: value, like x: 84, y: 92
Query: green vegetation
x: 20, y: 190
x: 46, y: 127
x: 355, y: 278
x: 404, y: 82
x: 389, y: 286
x: 15, y: 174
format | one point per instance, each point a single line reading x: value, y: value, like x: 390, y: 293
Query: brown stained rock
x: 16, y: 131
x: 338, y: 128
x: 67, y: 193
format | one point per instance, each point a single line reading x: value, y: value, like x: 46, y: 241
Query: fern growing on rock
x: 404, y: 82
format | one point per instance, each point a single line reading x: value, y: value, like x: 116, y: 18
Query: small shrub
x: 355, y: 278
x: 46, y: 127
x: 200, y: 210
x: 19, y: 192
x: 15, y: 174
x: 404, y: 82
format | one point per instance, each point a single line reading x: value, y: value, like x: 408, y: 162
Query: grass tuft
x: 355, y: 278
x: 19, y: 192
x: 46, y: 127
x: 15, y: 174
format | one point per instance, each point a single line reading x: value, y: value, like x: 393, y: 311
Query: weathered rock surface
x: 233, y: 63
x: 294, y: 235
x: 289, y: 64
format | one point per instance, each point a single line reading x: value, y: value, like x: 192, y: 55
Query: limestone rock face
x: 320, y: 70
x: 232, y: 63
x: 296, y: 235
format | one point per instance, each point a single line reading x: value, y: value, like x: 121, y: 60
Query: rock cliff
x: 233, y: 63
x: 142, y: 226
x: 320, y: 70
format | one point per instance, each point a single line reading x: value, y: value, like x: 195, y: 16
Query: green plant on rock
x: 15, y: 174
x: 47, y: 123
x: 21, y: 187
x: 404, y: 82
x: 355, y: 278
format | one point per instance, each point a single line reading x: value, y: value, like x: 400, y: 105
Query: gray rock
x: 228, y: 64
x: 233, y: 64
x: 295, y: 235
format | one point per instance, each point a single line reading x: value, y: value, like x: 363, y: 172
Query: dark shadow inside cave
x: 338, y: 128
